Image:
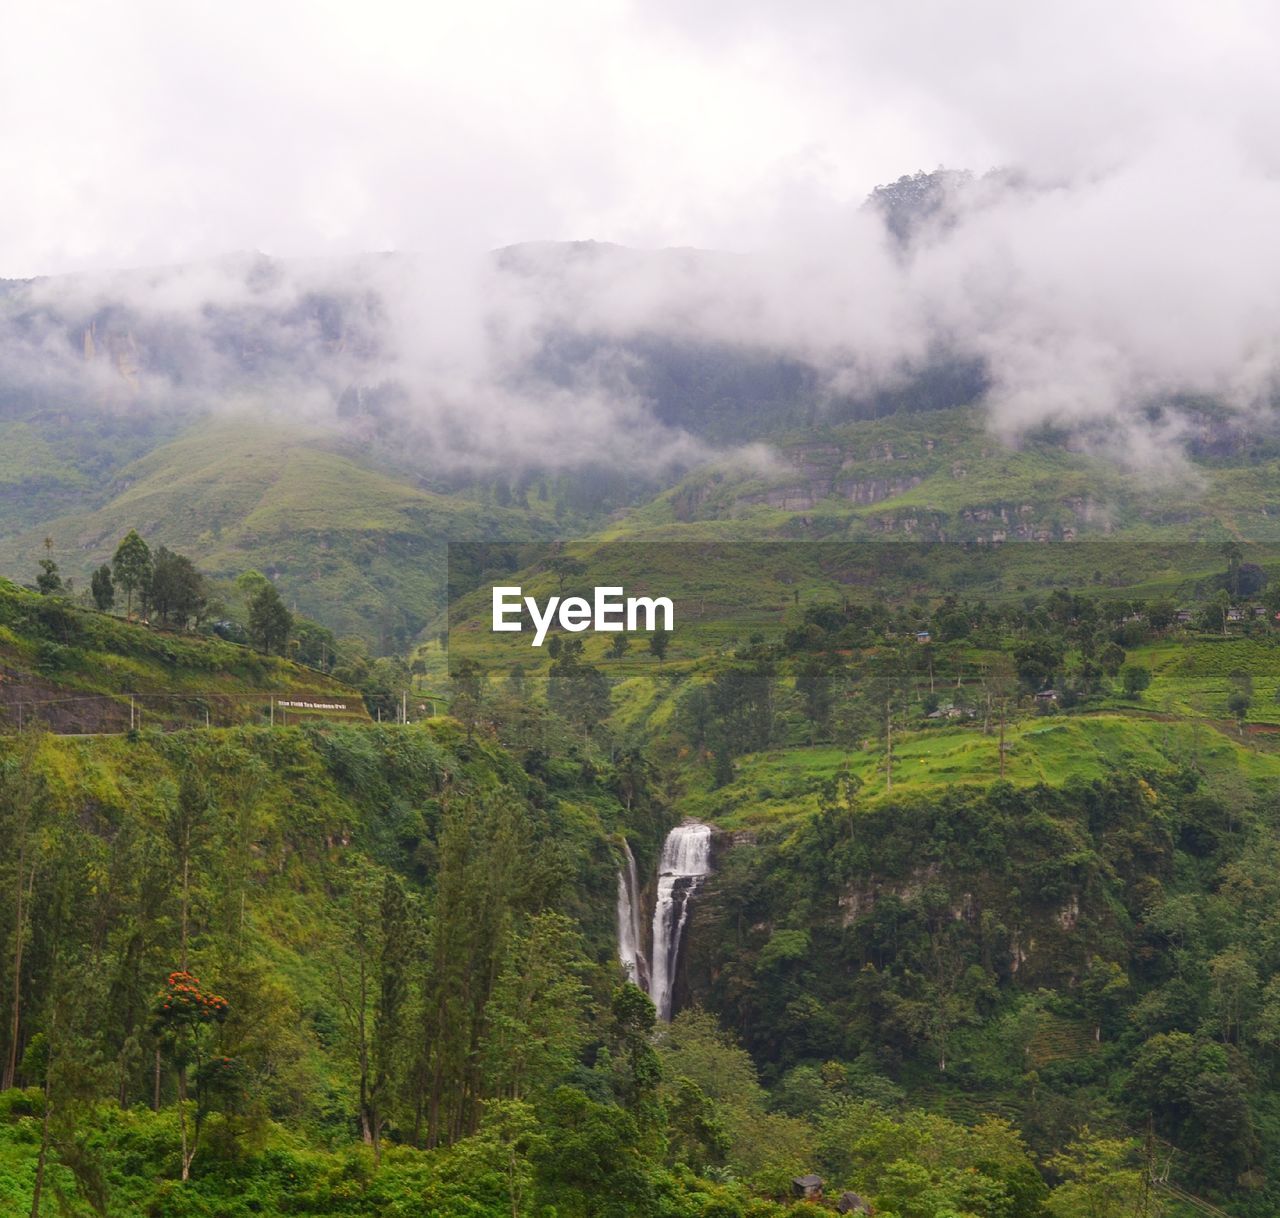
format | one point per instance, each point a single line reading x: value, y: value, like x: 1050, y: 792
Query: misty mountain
x: 944, y: 289
x: 363, y: 411
x: 334, y: 345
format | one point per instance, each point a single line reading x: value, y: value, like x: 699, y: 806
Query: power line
x: 197, y: 700
x: 1196, y: 1203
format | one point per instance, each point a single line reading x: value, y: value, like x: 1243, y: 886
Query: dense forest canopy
x: 964, y: 948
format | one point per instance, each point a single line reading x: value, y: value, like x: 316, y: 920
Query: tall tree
x: 22, y: 807
x: 537, y: 1015
x: 187, y: 829
x: 371, y: 977
x: 176, y: 593
x: 131, y: 567
x: 48, y: 582
x: 270, y: 623
x: 634, y: 1017
x: 468, y: 694
x: 103, y: 588
x: 1136, y: 678
x: 1101, y: 1178
x: 813, y: 685
x: 1232, y: 552
x: 484, y: 870
x: 577, y: 691
x: 889, y: 688
x: 1216, y: 614
x: 249, y: 584
x: 1000, y: 687
x: 565, y: 567
x: 185, y: 1015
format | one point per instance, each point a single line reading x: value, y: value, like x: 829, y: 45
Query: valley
x: 936, y: 832
x: 640, y: 611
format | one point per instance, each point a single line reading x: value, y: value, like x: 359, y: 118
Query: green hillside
x: 344, y: 885
x: 995, y: 820
x: 356, y: 542
x: 288, y: 833
x: 79, y: 671
x: 779, y: 786
x: 55, y: 458
x: 352, y: 547
x: 942, y: 475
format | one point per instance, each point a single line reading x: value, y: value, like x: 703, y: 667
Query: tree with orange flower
x: 185, y: 1015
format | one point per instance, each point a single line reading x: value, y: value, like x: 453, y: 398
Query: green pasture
x: 783, y: 784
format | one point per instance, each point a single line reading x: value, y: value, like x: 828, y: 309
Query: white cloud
x: 149, y: 132
x: 1144, y: 262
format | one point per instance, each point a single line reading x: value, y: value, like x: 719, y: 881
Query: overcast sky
x: 140, y: 132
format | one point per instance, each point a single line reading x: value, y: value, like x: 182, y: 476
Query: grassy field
x: 727, y: 595
x: 784, y: 784
x: 1195, y: 678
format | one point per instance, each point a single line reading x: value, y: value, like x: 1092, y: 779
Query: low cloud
x: 1115, y: 307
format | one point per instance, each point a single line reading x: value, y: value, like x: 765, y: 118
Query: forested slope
x: 356, y: 898
x: 1094, y: 955
x: 380, y: 964
x: 1003, y: 857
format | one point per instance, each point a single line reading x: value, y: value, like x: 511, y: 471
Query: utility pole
x: 404, y: 707
x: 1148, y: 1168
x: 132, y: 725
x: 888, y: 746
x: 273, y: 710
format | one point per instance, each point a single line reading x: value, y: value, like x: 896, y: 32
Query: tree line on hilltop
x: 168, y: 589
x: 162, y: 587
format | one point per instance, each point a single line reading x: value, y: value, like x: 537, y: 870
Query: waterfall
x: 686, y: 859
x: 630, y: 942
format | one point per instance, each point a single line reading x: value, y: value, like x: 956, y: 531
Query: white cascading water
x: 630, y: 949
x: 686, y: 860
